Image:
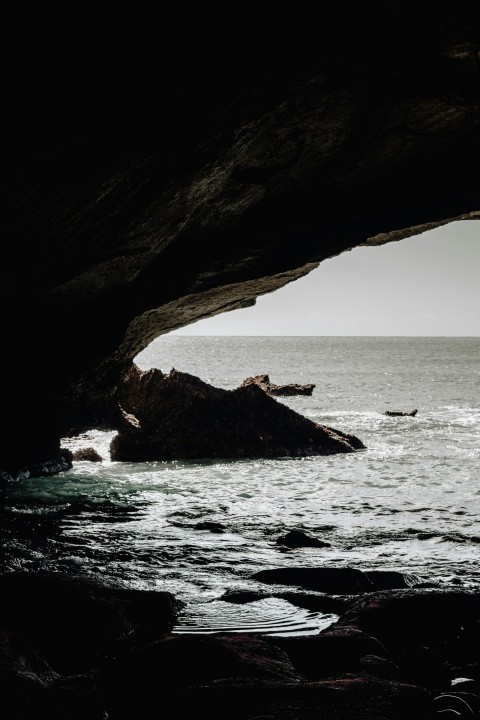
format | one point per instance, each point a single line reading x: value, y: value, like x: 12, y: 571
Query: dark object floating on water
x: 178, y: 416
x: 263, y: 382
x: 393, y: 413
x: 298, y: 539
x: 88, y: 453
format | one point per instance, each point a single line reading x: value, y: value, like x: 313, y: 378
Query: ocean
x: 410, y: 502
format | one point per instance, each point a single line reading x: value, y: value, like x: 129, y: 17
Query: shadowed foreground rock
x: 178, y: 416
x: 263, y: 382
x: 75, y: 622
x: 72, y: 649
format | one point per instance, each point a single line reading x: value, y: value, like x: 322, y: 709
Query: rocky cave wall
x: 159, y: 171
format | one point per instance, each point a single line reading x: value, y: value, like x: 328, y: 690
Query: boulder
x: 55, y: 461
x: 89, y: 454
x: 336, y: 581
x: 405, y: 621
x: 24, y: 675
x: 131, y: 683
x: 213, y: 527
x: 75, y: 622
x: 331, y: 653
x: 299, y: 539
x: 181, y: 417
x: 263, y: 382
x: 350, y: 697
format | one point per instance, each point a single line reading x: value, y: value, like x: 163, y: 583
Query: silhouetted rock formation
x: 89, y: 454
x: 263, y: 382
x: 336, y: 580
x: 181, y: 417
x: 299, y: 539
x: 129, y: 211
x: 42, y: 465
x: 393, y: 413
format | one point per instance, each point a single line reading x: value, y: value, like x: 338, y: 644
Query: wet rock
x: 74, y: 698
x: 391, y: 580
x: 57, y: 461
x: 263, y: 382
x: 351, y: 697
x: 442, y: 620
x: 394, y: 413
x: 75, y: 622
x: 378, y: 667
x: 24, y: 675
x: 180, y: 416
x: 425, y: 667
x: 241, y: 597
x: 327, y: 580
x: 336, y: 581
x: 333, y: 652
x: 132, y: 681
x: 299, y: 539
x: 89, y: 454
x: 317, y: 602
x: 213, y: 527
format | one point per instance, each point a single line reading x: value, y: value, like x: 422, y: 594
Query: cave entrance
x: 423, y: 286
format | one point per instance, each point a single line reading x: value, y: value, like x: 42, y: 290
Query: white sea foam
x: 410, y: 502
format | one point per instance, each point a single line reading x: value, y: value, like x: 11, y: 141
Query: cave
x: 150, y: 184
x: 160, y: 168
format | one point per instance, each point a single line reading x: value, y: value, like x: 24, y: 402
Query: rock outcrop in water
x: 149, y: 183
x: 263, y: 382
x: 336, y: 581
x: 300, y: 539
x: 395, y: 413
x: 83, y: 651
x: 178, y: 416
x: 89, y: 454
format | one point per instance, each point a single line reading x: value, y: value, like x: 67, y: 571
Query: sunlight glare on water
x: 410, y: 502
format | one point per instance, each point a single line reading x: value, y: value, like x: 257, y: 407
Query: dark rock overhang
x: 158, y: 173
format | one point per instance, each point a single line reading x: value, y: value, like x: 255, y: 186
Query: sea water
x: 410, y: 502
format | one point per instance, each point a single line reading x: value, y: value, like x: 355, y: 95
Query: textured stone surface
x: 82, y: 650
x: 336, y: 580
x: 75, y: 622
x: 263, y: 382
x: 154, y: 174
x: 89, y: 454
x: 178, y: 416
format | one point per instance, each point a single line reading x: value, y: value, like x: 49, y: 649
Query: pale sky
x: 425, y: 285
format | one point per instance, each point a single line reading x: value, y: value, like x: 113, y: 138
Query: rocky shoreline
x: 73, y: 648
